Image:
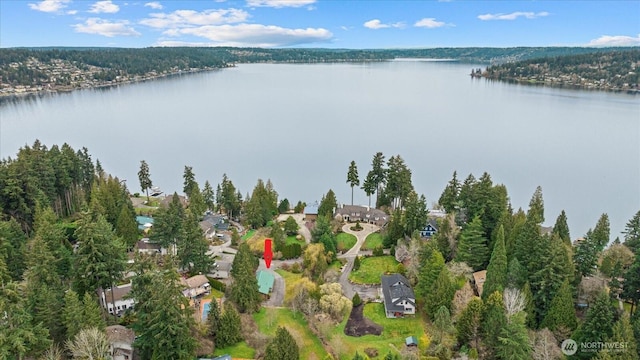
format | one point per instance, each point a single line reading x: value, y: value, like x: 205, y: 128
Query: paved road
x: 303, y: 229
x: 347, y: 287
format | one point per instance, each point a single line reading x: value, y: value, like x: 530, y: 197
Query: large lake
x: 301, y: 125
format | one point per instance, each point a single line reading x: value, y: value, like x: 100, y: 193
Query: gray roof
x: 396, y: 286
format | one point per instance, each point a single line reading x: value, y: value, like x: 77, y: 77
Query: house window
x: 124, y: 307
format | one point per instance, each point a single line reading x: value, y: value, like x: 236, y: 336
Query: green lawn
x: 240, y: 350
x: 290, y: 281
x: 372, y: 267
x: 248, y: 234
x: 292, y: 240
x: 346, y: 241
x: 268, y: 320
x: 372, y: 240
x: 394, y: 333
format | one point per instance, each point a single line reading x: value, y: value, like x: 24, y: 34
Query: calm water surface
x: 301, y: 125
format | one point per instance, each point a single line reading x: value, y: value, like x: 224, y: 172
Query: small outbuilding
x: 265, y: 281
x: 411, y: 341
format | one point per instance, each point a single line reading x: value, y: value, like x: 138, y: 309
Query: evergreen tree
x: 443, y: 327
x: 399, y: 185
x: 446, y: 238
x: 631, y: 284
x: 561, y: 228
x: 92, y: 313
x: 632, y: 233
x: 328, y: 204
x: 429, y: 271
x: 167, y: 225
x: 244, y: 291
x: 635, y: 325
x: 284, y: 206
x: 356, y: 263
x: 449, y: 198
x: 394, y: 230
x: 497, y: 271
x: 145, y: 178
x: 441, y: 294
x: 513, y: 341
x: 529, y: 307
x: 598, y: 324
x: 282, y: 347
x: 208, y: 196
x: 213, y: 319
x: 369, y: 186
x: 19, y: 335
x: 561, y: 315
x: 623, y: 334
x: 472, y: 248
x: 494, y: 319
x: 357, y: 356
x: 13, y: 247
x: 193, y: 247
x: 189, y: 181
x: 229, y: 330
x: 352, y: 177
x: 291, y: 226
x: 470, y: 322
x: 126, y: 227
x: 262, y: 205
x: 163, y: 317
x: 378, y: 174
x: 516, y: 274
x: 415, y: 213
x: 72, y: 314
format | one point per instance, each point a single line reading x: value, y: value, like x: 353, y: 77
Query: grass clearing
x: 268, y: 320
x: 345, y: 241
x: 248, y: 235
x: 240, y: 350
x: 394, y: 333
x: 372, y: 267
x: 292, y: 240
x: 372, y: 240
x: 290, y: 282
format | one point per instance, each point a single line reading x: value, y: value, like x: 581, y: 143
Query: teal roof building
x: 265, y: 281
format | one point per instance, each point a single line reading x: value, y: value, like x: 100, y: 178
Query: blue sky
x: 318, y: 23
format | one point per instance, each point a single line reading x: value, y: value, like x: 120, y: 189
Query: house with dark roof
x: 399, y: 299
x: 430, y: 229
x: 120, y: 342
x: 195, y: 286
x: 366, y: 214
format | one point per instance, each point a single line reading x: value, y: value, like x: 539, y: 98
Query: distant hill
x: 611, y: 70
x: 29, y: 70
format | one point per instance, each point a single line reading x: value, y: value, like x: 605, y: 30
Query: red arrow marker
x: 268, y: 253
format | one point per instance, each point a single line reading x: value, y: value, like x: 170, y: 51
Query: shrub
x: 296, y: 268
x: 356, y: 302
x: 378, y: 251
x: 217, y: 284
x: 291, y: 251
x: 371, y: 352
x: 356, y: 263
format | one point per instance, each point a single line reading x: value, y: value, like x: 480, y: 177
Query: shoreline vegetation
x: 42, y: 71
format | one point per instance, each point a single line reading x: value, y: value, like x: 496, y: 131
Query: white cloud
x: 429, y: 23
x: 105, y: 6
x: 50, y: 6
x: 253, y: 35
x: 106, y: 28
x: 617, y: 40
x: 154, y: 5
x: 279, y: 3
x: 513, y: 15
x: 72, y: 12
x: 184, y: 18
x: 377, y: 24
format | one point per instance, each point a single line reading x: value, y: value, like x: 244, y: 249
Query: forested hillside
x: 616, y: 70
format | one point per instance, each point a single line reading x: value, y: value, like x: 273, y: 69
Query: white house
x: 118, y: 301
x: 399, y: 299
x: 196, y: 286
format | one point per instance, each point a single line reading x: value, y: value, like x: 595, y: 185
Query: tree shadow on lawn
x: 358, y: 325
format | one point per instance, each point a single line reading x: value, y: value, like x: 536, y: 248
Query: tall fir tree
x: 429, y: 271
x: 328, y: 204
x: 494, y: 319
x: 469, y: 323
x: 378, y: 174
x: 352, y: 177
x: 513, y: 340
x: 497, y: 271
x: 213, y: 319
x: 282, y: 347
x: 561, y: 316
x: 229, y: 331
x: 145, y: 178
x: 472, y: 248
x: 598, y: 324
x: 632, y: 233
x: 449, y: 197
x: 561, y: 228
x: 441, y: 294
